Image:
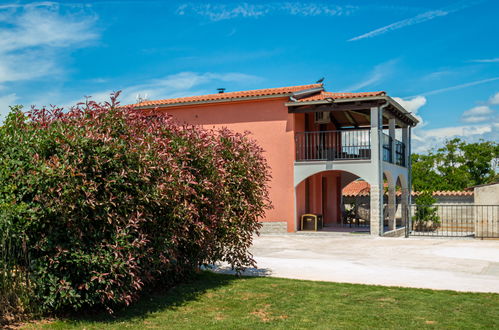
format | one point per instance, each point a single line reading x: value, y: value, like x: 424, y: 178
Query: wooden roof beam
x: 365, y: 115
x: 350, y: 119
x: 334, y: 121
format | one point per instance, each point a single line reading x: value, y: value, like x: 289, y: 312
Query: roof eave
x: 394, y: 103
x: 386, y: 98
x: 225, y: 100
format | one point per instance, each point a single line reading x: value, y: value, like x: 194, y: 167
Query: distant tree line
x: 456, y: 165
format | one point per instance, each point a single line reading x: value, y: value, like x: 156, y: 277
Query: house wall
x: 487, y: 217
x: 487, y: 194
x: 301, y: 203
x: 273, y: 129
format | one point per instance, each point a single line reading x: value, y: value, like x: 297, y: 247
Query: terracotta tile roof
x: 362, y: 188
x: 356, y: 188
x: 453, y: 193
x: 284, y: 91
x: 324, y: 95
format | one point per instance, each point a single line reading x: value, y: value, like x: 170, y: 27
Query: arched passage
x: 389, y: 200
x: 321, y: 193
x: 402, y: 201
x: 359, y: 169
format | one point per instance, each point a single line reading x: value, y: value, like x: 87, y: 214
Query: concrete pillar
x: 392, y: 206
x: 376, y: 204
x: 404, y: 204
x: 391, y: 133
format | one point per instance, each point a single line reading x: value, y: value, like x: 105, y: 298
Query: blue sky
x: 441, y: 58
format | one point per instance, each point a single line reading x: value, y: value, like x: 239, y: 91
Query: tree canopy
x: 456, y: 165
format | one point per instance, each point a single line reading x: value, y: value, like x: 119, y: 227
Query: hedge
x: 107, y: 201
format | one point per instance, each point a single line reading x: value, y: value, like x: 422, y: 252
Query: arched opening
x: 321, y: 193
x: 388, y: 202
x: 402, y: 201
x: 394, y: 202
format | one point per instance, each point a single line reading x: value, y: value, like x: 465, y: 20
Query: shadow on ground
x: 222, y: 269
x: 160, y: 300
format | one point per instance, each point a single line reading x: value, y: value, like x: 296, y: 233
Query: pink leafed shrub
x: 110, y: 201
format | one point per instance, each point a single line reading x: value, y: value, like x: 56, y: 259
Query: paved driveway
x: 451, y: 264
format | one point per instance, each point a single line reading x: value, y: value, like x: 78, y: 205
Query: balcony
x: 333, y: 145
x: 387, y: 148
x: 388, y: 144
x: 345, y: 145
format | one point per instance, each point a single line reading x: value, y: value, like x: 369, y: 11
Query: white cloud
x: 379, y: 72
x: 176, y: 85
x: 33, y: 41
x: 477, y: 114
x: 26, y: 66
x: 427, y: 139
x: 219, y: 12
x: 486, y: 60
x: 421, y: 18
x: 494, y: 99
x: 34, y: 4
x: 456, y: 87
x: 429, y: 15
x: 5, y: 102
x: 461, y: 131
x: 373, y: 78
x: 437, y: 75
x: 412, y: 105
x: 32, y: 36
x: 475, y: 119
x: 45, y: 27
x: 479, y: 110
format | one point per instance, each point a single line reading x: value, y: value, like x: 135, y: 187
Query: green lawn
x: 222, y: 301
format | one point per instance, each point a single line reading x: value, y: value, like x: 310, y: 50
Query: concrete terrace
x: 443, y: 264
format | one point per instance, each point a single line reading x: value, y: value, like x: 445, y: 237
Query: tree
x: 456, y: 165
x: 426, y: 215
x: 424, y: 174
x: 482, y: 161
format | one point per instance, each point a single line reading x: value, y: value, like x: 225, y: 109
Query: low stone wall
x: 274, y: 227
x: 399, y: 232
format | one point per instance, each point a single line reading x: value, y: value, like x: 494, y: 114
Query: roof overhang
x: 358, y: 102
x: 225, y: 100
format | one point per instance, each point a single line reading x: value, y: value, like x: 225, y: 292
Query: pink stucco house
x: 316, y: 142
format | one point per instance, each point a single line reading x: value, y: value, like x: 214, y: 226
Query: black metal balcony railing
x: 388, y: 144
x: 387, y: 148
x: 399, y: 153
x: 333, y: 145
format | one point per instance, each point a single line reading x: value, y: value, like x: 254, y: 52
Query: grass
x: 226, y: 302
